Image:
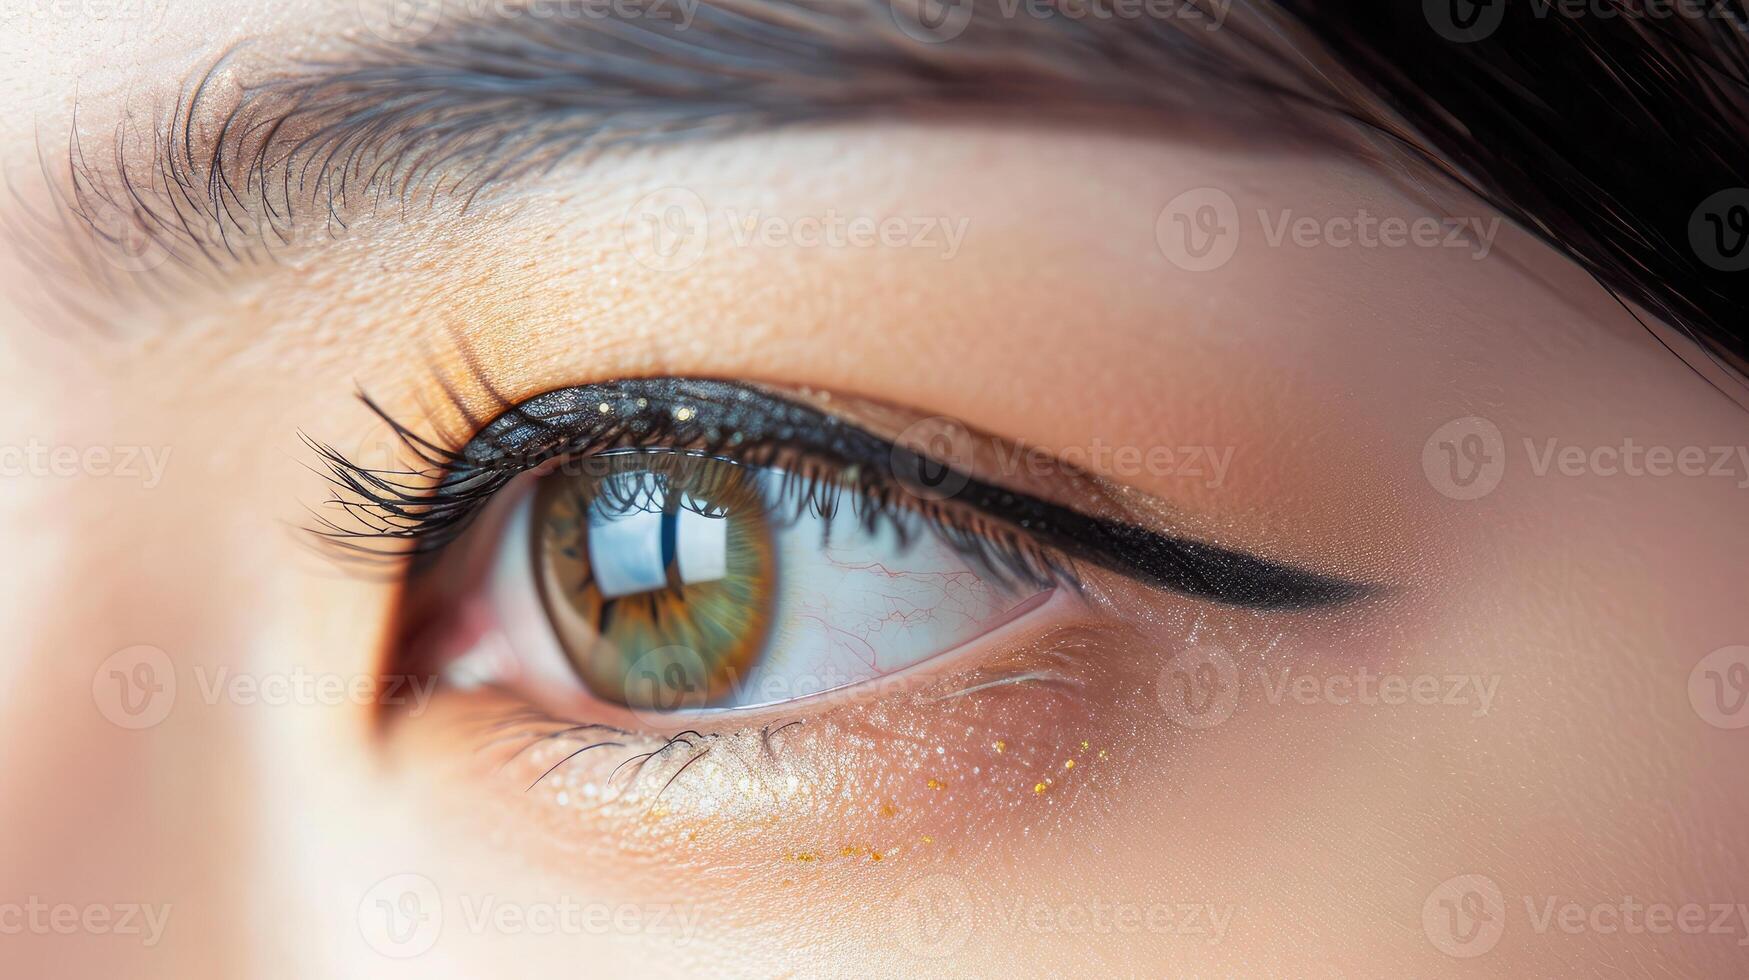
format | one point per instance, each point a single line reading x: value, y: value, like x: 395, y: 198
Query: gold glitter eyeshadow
x: 672, y: 643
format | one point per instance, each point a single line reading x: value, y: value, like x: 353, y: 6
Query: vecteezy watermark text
x: 1365, y: 687
x: 137, y: 687
x: 406, y: 21
x: 1208, y: 464
x: 1201, y: 229
x: 566, y: 916
x: 41, y: 460
x: 940, y: 21
x: 1467, y: 458
x: 830, y: 229
x: 37, y: 917
x: 403, y: 916
x: 1096, y: 916
x: 1466, y: 916
x: 670, y: 228
x: 1201, y: 686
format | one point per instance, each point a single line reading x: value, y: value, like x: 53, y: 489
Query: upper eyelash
x: 429, y: 505
x: 426, y: 508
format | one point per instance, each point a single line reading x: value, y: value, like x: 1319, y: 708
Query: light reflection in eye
x: 670, y: 581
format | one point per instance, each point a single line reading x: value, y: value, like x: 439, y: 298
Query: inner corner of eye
x: 663, y: 582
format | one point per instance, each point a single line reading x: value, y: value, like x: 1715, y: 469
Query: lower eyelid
x: 879, y: 778
x: 917, y: 761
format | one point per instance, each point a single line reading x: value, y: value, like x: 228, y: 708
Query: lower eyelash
x: 525, y: 729
x: 642, y: 750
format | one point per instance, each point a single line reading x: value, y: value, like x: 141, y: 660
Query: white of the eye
x: 523, y: 629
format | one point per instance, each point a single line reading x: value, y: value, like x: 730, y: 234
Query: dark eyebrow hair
x: 1556, y: 121
x: 230, y: 174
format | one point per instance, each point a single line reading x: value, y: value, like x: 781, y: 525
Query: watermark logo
x: 401, y: 916
x: 135, y: 687
x: 932, y: 458
x: 932, y: 917
x: 1202, y: 687
x: 667, y: 229
x: 1718, y: 231
x: 931, y: 21
x: 1199, y: 687
x: 1718, y: 687
x: 664, y: 680
x: 400, y: 21
x: 1465, y: 458
x: 122, y: 240
x: 1198, y: 231
x: 1464, y: 916
x: 1464, y: 21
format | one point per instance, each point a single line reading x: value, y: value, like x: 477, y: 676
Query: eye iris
x: 658, y: 572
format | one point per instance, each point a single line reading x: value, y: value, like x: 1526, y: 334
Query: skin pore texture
x: 1295, y: 837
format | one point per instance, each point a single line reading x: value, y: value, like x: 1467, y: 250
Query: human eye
x: 786, y: 592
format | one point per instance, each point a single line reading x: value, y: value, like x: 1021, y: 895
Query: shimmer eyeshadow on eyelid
x: 750, y: 424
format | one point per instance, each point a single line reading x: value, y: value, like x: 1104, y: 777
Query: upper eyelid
x: 756, y: 417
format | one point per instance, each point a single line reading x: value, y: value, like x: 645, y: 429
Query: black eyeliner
x: 752, y: 425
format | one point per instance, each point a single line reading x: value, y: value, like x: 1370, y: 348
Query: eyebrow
x: 476, y: 104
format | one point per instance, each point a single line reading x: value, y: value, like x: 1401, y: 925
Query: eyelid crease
x: 754, y: 426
